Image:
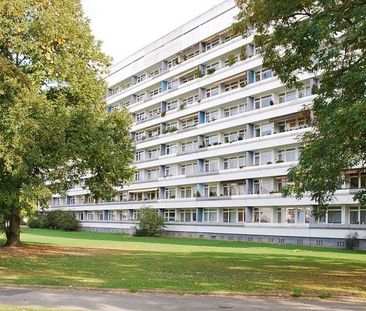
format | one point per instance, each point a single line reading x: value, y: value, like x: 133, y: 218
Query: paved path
x: 98, y: 300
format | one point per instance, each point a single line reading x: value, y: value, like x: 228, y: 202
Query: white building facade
x: 215, y: 134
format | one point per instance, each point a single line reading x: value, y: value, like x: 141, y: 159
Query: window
x: 171, y: 149
x: 211, y: 44
x: 234, y: 136
x: 140, y: 78
x: 209, y: 215
x: 234, y: 85
x: 211, y: 165
x: 229, y: 215
x: 153, y: 154
x: 189, y: 100
x: 169, y: 170
x: 188, y: 78
x: 189, y: 169
x: 169, y: 215
x: 155, y: 92
x: 139, y: 156
x: 357, y: 215
x: 172, y: 105
x: 140, y: 116
x: 154, y: 112
x: 212, y: 140
x: 256, y: 186
x: 334, y: 215
x: 234, y: 162
x: 140, y: 97
x: 186, y: 192
x: 233, y: 188
x: 286, y: 155
x: 139, y: 136
x: 266, y: 156
x: 137, y: 176
x: 213, y: 91
x: 266, y: 129
x: 263, y: 74
x: 155, y: 132
x: 212, y: 115
x: 215, y: 66
x: 187, y: 123
x: 170, y: 193
x: 154, y: 73
x: 188, y: 215
x: 210, y: 191
x: 173, y: 62
x: 234, y: 110
x: 152, y: 174
x: 171, y: 126
x: 262, y: 102
x: 189, y: 146
x: 256, y: 158
x: 173, y: 85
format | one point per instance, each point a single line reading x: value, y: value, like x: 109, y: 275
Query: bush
x: 151, y: 224
x: 351, y: 241
x: 61, y: 220
x: 296, y: 292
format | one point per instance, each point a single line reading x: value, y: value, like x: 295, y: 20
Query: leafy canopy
x: 54, y: 127
x: 326, y: 38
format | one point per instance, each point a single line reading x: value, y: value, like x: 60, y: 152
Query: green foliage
x: 198, y: 73
x: 297, y: 292
x: 326, y: 38
x: 231, y: 59
x: 151, y: 224
x: 243, y: 53
x: 54, y: 125
x: 211, y: 71
x: 352, y: 241
x: 61, y: 220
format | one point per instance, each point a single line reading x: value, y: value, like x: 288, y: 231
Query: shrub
x: 351, y: 241
x: 151, y: 224
x: 243, y: 53
x: 35, y: 222
x: 61, y: 220
x: 231, y: 59
x: 211, y: 71
x: 296, y: 292
x: 198, y: 73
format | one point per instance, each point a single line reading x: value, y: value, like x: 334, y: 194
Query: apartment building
x: 216, y: 133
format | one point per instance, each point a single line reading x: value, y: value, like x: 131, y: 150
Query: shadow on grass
x: 199, y: 271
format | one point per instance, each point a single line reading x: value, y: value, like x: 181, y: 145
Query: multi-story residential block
x: 216, y: 134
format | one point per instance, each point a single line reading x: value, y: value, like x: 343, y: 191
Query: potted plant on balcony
x: 163, y: 113
x: 243, y: 53
x: 269, y: 162
x: 211, y: 71
x: 181, y: 107
x: 231, y: 59
x: 198, y: 73
x: 198, y: 194
x: 279, y: 161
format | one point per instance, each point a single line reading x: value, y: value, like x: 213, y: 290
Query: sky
x: 125, y: 26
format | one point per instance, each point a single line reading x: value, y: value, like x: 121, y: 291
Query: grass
x: 100, y: 260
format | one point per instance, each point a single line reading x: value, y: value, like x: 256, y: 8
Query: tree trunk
x: 13, y: 229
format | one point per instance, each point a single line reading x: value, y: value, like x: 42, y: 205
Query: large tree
x: 327, y: 38
x: 54, y: 126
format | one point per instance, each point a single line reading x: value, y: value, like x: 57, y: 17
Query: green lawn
x: 118, y: 261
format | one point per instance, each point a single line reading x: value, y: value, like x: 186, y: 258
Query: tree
x: 54, y: 127
x: 327, y: 38
x: 150, y: 222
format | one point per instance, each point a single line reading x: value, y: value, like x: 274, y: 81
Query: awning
x: 289, y: 116
x: 280, y: 177
x: 143, y: 190
x: 217, y: 34
x: 238, y: 75
x: 354, y: 171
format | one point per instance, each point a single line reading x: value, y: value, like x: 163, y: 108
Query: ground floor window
x: 229, y: 215
x: 122, y: 215
x: 79, y: 215
x: 357, y: 215
x: 262, y: 214
x: 188, y: 215
x: 209, y: 215
x: 169, y: 215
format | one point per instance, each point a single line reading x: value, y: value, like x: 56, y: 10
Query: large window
x: 170, y: 193
x: 229, y: 215
x: 188, y: 215
x: 334, y: 215
x: 172, y: 105
x: 213, y: 91
x: 171, y: 149
x: 210, y: 215
x: 210, y: 191
x: 186, y: 192
x: 234, y: 162
x: 264, y: 101
x: 212, y: 115
x: 234, y: 136
x: 234, y: 110
x: 357, y: 215
x: 169, y: 215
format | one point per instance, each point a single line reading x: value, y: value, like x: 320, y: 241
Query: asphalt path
x: 101, y: 300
